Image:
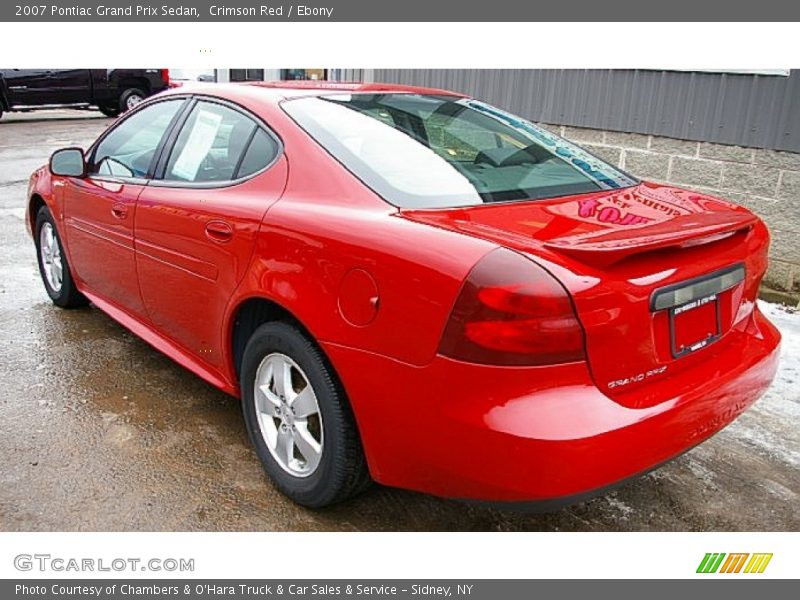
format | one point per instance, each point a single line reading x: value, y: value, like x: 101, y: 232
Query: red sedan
x: 411, y: 286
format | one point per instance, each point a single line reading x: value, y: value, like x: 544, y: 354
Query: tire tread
x: 348, y: 476
x: 68, y: 296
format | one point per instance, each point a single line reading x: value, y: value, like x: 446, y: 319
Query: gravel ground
x: 98, y: 431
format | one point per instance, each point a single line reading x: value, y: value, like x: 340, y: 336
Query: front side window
x: 212, y: 146
x: 420, y: 151
x: 129, y: 148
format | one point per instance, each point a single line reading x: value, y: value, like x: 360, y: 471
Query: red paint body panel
x: 375, y: 287
x: 99, y: 218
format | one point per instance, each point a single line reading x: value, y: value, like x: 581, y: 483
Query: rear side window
x: 211, y: 145
x: 262, y: 151
x: 129, y: 148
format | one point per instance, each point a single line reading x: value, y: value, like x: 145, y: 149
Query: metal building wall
x: 758, y: 111
x: 348, y: 74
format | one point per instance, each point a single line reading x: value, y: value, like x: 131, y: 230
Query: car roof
x: 275, y: 91
x: 318, y: 87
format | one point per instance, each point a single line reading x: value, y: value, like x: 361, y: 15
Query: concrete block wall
x: 765, y: 181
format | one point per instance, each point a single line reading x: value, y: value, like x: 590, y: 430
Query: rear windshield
x: 439, y: 151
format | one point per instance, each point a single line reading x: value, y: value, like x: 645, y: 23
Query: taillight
x: 512, y: 312
x: 165, y: 75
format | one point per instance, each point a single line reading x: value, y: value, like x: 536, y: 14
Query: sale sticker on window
x: 204, y: 132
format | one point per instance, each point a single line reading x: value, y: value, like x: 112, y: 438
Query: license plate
x: 693, y: 308
x: 695, y: 325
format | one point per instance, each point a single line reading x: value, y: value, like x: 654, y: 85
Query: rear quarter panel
x: 305, y: 251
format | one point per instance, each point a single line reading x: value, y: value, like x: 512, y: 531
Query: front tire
x: 298, y: 418
x: 53, y: 264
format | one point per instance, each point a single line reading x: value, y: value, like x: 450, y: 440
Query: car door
x: 30, y: 87
x: 196, y: 224
x: 99, y: 209
x: 71, y: 86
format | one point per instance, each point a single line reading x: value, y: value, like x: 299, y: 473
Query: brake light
x: 165, y: 75
x: 511, y: 311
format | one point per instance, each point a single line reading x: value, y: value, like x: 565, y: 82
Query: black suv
x: 111, y: 90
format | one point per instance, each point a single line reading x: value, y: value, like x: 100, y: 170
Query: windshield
x: 441, y: 151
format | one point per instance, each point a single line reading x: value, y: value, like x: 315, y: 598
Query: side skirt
x: 163, y: 344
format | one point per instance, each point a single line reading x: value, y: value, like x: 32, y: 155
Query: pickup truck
x: 113, y: 91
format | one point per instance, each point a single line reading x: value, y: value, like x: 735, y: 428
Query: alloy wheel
x: 288, y: 415
x: 133, y: 100
x: 50, y: 253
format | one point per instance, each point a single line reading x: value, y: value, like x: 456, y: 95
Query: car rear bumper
x: 522, y: 434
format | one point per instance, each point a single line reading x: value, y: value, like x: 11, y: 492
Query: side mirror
x: 68, y: 162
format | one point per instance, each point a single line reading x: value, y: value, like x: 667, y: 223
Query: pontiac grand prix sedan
x: 411, y: 286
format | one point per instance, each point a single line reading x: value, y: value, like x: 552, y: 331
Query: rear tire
x: 109, y: 111
x: 53, y: 265
x: 338, y: 469
x: 131, y: 98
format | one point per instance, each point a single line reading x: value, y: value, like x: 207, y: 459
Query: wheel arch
x: 247, y: 316
x: 35, y: 204
x: 141, y: 83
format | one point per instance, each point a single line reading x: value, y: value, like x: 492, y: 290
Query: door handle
x: 120, y: 211
x: 219, y: 231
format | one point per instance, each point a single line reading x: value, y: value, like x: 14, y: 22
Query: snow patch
x: 773, y: 430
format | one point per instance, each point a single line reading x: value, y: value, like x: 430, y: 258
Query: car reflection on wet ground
x: 98, y: 431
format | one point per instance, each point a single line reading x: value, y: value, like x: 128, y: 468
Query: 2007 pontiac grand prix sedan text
x: 411, y: 286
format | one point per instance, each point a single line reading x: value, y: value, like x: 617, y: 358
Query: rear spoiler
x: 605, y: 248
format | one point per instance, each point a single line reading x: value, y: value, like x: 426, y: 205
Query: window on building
x: 304, y: 74
x: 247, y: 75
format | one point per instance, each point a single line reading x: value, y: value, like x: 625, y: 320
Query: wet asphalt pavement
x: 98, y: 431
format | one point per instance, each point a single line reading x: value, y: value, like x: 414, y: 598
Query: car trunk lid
x: 658, y: 276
